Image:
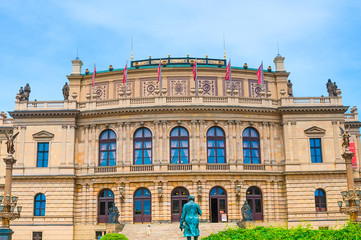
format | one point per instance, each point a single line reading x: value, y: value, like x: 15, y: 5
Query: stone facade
x: 73, y: 179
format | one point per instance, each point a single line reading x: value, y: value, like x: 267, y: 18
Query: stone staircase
x: 169, y: 231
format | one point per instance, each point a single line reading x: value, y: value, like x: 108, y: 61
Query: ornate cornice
x: 352, y: 124
x: 334, y: 109
x: 44, y: 113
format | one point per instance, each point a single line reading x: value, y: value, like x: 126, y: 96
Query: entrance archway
x: 179, y: 198
x: 105, y: 201
x: 142, y: 205
x: 217, y: 204
x: 254, y: 199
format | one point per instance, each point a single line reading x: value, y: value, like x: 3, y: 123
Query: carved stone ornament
x: 179, y: 87
x: 101, y: 90
x: 255, y: 89
x: 237, y: 85
x: 43, y: 135
x: 148, y: 88
x: 315, y: 130
x: 209, y: 87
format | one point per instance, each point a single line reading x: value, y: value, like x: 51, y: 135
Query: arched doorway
x: 217, y: 204
x: 179, y: 198
x: 105, y: 201
x: 254, y: 199
x: 142, y: 206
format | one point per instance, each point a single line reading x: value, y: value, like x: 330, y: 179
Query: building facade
x: 148, y: 144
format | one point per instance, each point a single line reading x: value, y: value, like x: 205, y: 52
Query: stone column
x: 289, y: 141
x: 202, y: 142
x: 126, y: 160
x: 83, y: 203
x: 92, y: 147
x: 229, y: 148
x: 22, y: 146
x: 156, y: 144
x: 336, y: 140
x: 193, y: 153
x: 268, y: 201
x: 198, y: 142
x: 268, y: 141
x: 272, y: 138
x: 294, y: 141
x: 263, y: 139
x: 64, y: 145
x: 86, y: 145
x: 239, y: 142
x: 120, y: 160
x: 71, y: 145
x: 129, y: 148
x: 165, y: 144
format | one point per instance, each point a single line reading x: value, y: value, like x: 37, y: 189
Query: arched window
x: 217, y: 204
x: 251, y: 148
x: 320, y: 200
x: 39, y: 205
x: 254, y: 199
x: 179, y: 146
x: 142, y: 146
x: 107, y: 148
x: 216, y: 145
x: 105, y: 201
x: 179, y: 198
x: 142, y: 205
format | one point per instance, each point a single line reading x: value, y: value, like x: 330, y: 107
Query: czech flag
x: 260, y: 74
x: 125, y: 74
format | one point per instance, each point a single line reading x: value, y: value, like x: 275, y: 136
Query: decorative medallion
x: 208, y: 85
x: 236, y: 84
x: 101, y: 89
x: 148, y: 87
x: 255, y: 89
x: 119, y: 86
x: 178, y: 86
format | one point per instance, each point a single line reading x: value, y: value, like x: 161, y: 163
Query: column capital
x: 64, y: 126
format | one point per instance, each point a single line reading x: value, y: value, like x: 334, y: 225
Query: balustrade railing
x: 106, y: 169
x: 179, y: 167
x: 142, y: 168
x: 254, y: 167
x: 223, y: 166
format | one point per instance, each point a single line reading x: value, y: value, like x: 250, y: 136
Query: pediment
x: 43, y: 134
x: 315, y: 130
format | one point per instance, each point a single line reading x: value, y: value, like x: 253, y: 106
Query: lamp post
x: 350, y: 197
x: 8, y: 202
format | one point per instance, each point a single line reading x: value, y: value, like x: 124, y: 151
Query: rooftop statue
x: 66, y: 90
x: 289, y: 88
x: 10, y: 142
x: 24, y: 93
x: 189, y: 220
x: 329, y: 87
x: 334, y: 89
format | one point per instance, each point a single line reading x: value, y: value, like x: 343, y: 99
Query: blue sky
x: 320, y: 39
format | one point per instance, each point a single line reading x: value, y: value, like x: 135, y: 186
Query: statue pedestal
x: 245, y: 224
x: 114, y: 227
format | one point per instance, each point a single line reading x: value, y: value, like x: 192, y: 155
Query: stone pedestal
x: 6, y: 234
x: 113, y: 227
x: 245, y: 224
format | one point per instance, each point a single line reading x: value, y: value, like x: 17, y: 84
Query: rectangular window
x: 37, y: 236
x: 316, y: 152
x: 43, y: 155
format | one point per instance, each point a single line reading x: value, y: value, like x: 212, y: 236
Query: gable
x: 315, y: 130
x: 43, y: 134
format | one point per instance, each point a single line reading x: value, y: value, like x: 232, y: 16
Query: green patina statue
x: 190, y: 221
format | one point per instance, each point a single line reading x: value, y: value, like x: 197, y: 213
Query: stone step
x: 169, y: 231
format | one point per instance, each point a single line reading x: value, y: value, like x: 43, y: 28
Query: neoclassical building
x: 147, y: 144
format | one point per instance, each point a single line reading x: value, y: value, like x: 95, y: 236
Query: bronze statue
x: 246, y: 212
x: 189, y: 220
x: 66, y: 90
x: 345, y: 138
x: 113, y: 214
x: 289, y: 88
x: 10, y: 142
x: 329, y: 87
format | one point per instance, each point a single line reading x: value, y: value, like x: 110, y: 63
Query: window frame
x: 250, y: 140
x: 143, y: 149
x: 311, y: 148
x: 216, y: 139
x: 179, y: 148
x: 40, y: 233
x: 318, y: 200
x: 42, y: 211
x: 107, y: 141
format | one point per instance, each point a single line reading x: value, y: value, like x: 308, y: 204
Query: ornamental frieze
x: 208, y: 85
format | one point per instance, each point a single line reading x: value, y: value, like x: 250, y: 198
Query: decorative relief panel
x: 119, y: 86
x: 102, y: 89
x: 148, y: 87
x: 255, y: 89
x: 237, y: 83
x: 209, y: 85
x: 178, y: 86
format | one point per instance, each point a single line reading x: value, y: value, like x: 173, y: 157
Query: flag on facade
x: 228, y: 71
x: 195, y: 70
x: 260, y: 74
x: 160, y: 70
x: 94, y: 74
x: 125, y: 74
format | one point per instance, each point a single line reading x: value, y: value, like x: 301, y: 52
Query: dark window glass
x: 251, y: 146
x: 43, y: 154
x: 107, y: 148
x: 320, y: 200
x: 315, y: 147
x: 254, y: 199
x: 179, y: 150
x: 37, y: 236
x: 105, y: 201
x: 39, y: 205
x: 142, y: 146
x: 216, y: 145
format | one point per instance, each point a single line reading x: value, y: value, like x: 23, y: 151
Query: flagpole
x: 93, y: 81
x: 126, y: 78
x: 263, y: 77
x: 230, y: 75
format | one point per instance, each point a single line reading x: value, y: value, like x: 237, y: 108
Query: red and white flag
x: 260, y: 74
x: 94, y: 74
x: 228, y: 71
x: 125, y: 73
x: 160, y: 70
x: 195, y: 70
